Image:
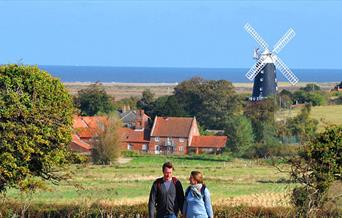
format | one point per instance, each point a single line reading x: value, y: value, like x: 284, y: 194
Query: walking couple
x: 167, y: 196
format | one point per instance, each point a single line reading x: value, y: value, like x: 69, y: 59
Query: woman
x: 197, y: 202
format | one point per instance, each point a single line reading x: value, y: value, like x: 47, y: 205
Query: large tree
x: 94, y: 100
x: 240, y: 134
x: 35, y: 124
x: 211, y: 101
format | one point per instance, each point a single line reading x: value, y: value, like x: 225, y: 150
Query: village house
x: 134, y: 133
x: 180, y: 135
x: 169, y: 135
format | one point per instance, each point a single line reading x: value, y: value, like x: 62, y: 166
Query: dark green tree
x: 94, y: 100
x: 302, y: 126
x: 35, y: 125
x: 317, y: 167
x: 261, y: 114
x: 211, y: 101
x: 240, y: 134
x: 146, y: 102
x: 311, y: 87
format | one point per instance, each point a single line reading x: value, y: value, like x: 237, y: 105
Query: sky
x: 205, y: 34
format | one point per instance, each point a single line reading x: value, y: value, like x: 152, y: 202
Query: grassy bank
x: 231, y: 182
x: 328, y: 114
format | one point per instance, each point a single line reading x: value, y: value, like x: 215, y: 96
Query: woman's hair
x: 197, y: 176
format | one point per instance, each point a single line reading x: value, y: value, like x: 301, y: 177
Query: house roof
x: 172, y: 126
x: 77, y: 141
x: 208, y: 141
x: 130, y: 135
x: 87, y: 127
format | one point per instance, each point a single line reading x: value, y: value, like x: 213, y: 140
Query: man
x: 167, y: 195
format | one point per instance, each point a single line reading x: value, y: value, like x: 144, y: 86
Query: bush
x: 99, y: 209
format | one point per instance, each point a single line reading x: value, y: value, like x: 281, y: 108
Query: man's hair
x: 167, y: 165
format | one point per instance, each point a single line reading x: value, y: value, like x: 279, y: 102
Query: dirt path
x: 123, y: 160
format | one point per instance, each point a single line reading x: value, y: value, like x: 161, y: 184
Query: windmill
x: 264, y: 70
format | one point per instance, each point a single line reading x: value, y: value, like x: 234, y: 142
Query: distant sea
x: 173, y: 75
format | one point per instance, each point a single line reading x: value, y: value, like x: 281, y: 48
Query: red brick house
x: 180, y: 135
x: 138, y: 137
x: 169, y: 135
x: 86, y: 129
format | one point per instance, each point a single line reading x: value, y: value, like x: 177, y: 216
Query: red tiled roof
x: 95, y: 121
x: 85, y: 132
x: 86, y: 127
x: 172, y: 126
x: 208, y: 141
x: 76, y: 140
x: 130, y: 135
x: 78, y: 122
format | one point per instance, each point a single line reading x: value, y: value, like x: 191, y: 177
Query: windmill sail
x: 284, y: 40
x: 285, y: 70
x: 256, y: 36
x: 256, y: 68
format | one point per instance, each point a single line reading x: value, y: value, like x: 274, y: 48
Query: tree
x: 35, y: 125
x: 146, y: 102
x: 261, y: 113
x: 311, y: 87
x: 211, y: 101
x: 240, y: 134
x: 94, y: 100
x: 302, y: 126
x: 107, y: 140
x: 317, y: 167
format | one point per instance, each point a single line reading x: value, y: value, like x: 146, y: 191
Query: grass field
x: 329, y: 114
x: 231, y: 182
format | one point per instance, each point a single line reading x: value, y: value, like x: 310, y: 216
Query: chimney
x: 139, y: 120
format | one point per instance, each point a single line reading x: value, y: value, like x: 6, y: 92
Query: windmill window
x: 261, y: 79
x: 262, y: 72
x: 260, y: 88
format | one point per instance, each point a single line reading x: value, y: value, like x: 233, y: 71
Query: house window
x: 181, y: 139
x: 169, y: 141
x: 129, y: 147
x: 181, y: 149
x: 156, y: 139
x: 144, y: 147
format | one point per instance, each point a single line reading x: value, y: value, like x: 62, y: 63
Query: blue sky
x: 168, y: 34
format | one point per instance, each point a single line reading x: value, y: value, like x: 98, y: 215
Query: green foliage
x: 300, y: 126
x: 211, y: 101
x: 146, y: 102
x: 311, y: 87
x: 315, y: 98
x: 316, y: 168
x: 107, y: 141
x: 35, y: 125
x: 169, y: 106
x: 261, y: 114
x: 240, y: 134
x: 285, y: 99
x: 94, y: 100
x: 128, y: 103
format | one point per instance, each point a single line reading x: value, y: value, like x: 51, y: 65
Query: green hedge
x: 135, y: 211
